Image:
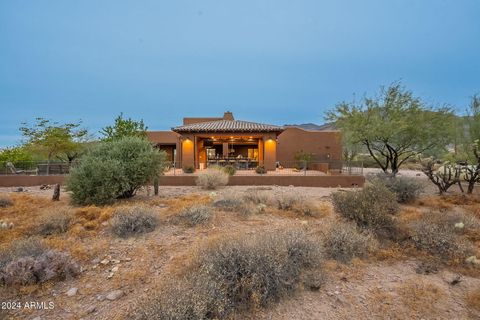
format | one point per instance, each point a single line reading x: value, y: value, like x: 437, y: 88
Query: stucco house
x: 200, y: 142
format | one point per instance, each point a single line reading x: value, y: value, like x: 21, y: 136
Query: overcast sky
x: 267, y: 61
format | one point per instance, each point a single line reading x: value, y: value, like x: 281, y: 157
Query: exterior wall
x: 163, y: 137
x: 28, y: 181
x: 342, y: 181
x: 324, y: 145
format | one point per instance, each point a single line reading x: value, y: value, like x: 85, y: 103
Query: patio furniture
x: 14, y: 170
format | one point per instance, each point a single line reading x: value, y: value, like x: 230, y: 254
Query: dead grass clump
x: 229, y: 201
x: 420, y: 297
x: 437, y: 202
x: 344, y: 241
x: 5, y: 202
x: 195, y: 215
x: 236, y: 275
x: 55, y: 221
x: 437, y: 238
x: 371, y: 208
x: 258, y: 197
x: 135, y: 220
x: 212, y: 179
x: 288, y: 201
x: 29, y: 261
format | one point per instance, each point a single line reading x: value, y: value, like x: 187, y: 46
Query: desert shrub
x: 55, y: 222
x: 287, y: 201
x: 437, y: 238
x: 5, y: 202
x: 29, y: 261
x: 260, y: 170
x: 406, y: 189
x: 130, y: 221
x: 195, y: 215
x: 235, y: 275
x: 344, y: 241
x: 188, y: 169
x: 229, y: 201
x: 115, y: 169
x: 371, y: 208
x: 212, y: 179
x: 32, y: 246
x: 230, y: 170
x: 258, y: 197
x: 307, y: 208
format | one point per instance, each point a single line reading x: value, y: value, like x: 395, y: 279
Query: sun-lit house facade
x: 200, y: 142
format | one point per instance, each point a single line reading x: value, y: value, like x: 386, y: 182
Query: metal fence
x: 35, y: 168
x: 305, y: 168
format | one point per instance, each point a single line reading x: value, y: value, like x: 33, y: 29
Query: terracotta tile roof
x: 228, y: 126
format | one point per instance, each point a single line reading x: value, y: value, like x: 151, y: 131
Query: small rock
x: 128, y: 259
x: 116, y: 261
x: 114, y: 295
x: 473, y: 260
x: 100, y: 297
x: 19, y: 189
x: 115, y: 269
x: 105, y: 261
x: 459, y: 225
x: 72, y: 291
x: 96, y: 261
x: 91, y: 309
x: 37, y: 318
x: 110, y: 275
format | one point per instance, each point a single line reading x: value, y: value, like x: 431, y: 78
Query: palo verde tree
x: 52, y: 139
x: 394, y: 126
x: 124, y: 128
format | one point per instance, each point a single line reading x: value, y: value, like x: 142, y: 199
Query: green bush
x: 406, y: 189
x: 130, y: 221
x: 230, y: 170
x: 371, y: 208
x: 113, y: 170
x: 212, y: 178
x: 188, y: 169
x: 236, y: 275
x: 260, y: 170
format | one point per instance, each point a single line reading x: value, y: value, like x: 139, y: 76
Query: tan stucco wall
x: 167, y: 137
x: 319, y: 143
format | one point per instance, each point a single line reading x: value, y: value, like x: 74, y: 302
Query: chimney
x: 228, y: 116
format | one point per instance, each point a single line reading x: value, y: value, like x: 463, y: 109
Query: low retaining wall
x: 29, y: 181
x: 343, y: 181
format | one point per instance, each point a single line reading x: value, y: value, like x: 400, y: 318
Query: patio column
x: 225, y: 149
x: 270, y: 151
x: 188, y: 153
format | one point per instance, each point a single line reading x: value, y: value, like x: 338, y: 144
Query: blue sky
x: 268, y: 61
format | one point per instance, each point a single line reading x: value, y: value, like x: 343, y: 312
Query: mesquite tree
x: 394, y: 126
x: 445, y: 177
x: 472, y: 171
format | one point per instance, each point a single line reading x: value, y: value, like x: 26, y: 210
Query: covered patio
x: 244, y: 145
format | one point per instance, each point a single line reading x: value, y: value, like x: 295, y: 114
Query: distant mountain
x: 312, y: 126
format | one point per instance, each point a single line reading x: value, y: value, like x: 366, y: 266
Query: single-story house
x: 200, y: 142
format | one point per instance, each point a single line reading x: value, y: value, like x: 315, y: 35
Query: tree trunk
x: 56, y: 192
x: 155, y: 186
